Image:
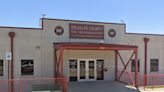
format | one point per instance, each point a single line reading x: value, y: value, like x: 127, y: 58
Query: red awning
x: 58, y: 67
x: 93, y: 46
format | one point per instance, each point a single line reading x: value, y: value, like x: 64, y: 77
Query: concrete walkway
x: 100, y: 86
x: 157, y: 89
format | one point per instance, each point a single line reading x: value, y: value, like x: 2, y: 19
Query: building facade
x: 33, y: 50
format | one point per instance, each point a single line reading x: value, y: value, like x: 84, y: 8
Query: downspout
x: 12, y: 35
x: 146, y: 40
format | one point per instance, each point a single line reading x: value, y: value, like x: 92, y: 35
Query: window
x: 1, y: 67
x: 27, y: 67
x: 133, y: 65
x: 154, y: 65
x: 73, y: 70
x: 100, y: 69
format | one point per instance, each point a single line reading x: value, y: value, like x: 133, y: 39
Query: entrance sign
x: 8, y: 56
x: 86, y: 31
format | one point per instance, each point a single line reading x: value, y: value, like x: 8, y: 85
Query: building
x: 85, y: 50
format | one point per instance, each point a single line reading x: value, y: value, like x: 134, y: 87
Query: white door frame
x: 86, y: 70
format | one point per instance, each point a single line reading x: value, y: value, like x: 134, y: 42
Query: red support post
x: 116, y: 65
x: 61, y: 62
x: 55, y: 63
x: 136, y: 68
x: 145, y: 72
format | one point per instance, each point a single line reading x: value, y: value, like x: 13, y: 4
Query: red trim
x: 146, y: 40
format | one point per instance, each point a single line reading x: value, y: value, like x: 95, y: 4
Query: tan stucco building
x: 33, y: 50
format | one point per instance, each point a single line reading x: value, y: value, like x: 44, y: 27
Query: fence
x: 153, y: 80
x: 34, y: 84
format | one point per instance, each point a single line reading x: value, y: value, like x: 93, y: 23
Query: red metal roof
x: 93, y: 46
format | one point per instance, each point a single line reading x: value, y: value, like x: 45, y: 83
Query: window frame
x: 3, y: 69
x: 69, y: 68
x: 33, y: 69
x: 151, y: 70
x: 132, y: 62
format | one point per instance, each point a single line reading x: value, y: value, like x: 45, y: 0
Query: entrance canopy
x: 58, y: 63
x: 93, y: 46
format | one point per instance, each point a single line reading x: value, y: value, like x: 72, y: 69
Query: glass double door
x: 86, y: 70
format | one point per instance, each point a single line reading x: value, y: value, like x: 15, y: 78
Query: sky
x: 140, y: 16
